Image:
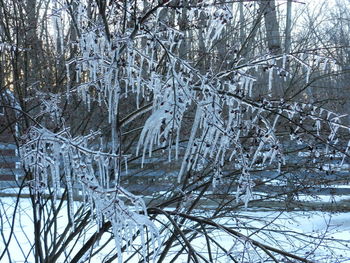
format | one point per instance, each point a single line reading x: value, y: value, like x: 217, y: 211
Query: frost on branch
x: 49, y: 157
x: 119, y: 58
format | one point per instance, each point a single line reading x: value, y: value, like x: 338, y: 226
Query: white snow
x: 289, y: 229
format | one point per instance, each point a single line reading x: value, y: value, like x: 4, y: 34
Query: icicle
x: 318, y: 127
x: 257, y: 152
x: 308, y: 74
x: 246, y: 87
x: 284, y: 61
x: 177, y: 142
x: 270, y: 79
x: 251, y: 82
x: 325, y: 64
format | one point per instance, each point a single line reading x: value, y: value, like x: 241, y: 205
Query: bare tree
x: 156, y: 87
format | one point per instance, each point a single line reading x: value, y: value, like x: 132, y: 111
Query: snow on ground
x: 295, y: 228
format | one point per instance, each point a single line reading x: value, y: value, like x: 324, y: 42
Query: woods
x: 151, y: 131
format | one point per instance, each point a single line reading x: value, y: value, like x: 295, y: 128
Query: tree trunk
x: 287, y: 44
x: 268, y: 8
x: 183, y: 26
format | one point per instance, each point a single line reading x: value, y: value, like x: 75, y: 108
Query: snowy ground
x: 286, y: 231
